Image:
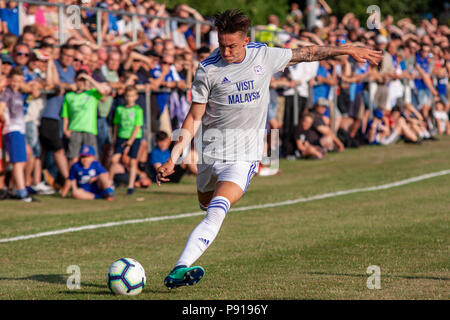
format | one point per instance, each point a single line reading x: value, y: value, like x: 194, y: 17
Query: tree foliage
x: 257, y: 10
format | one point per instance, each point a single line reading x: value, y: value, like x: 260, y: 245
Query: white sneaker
x: 43, y: 189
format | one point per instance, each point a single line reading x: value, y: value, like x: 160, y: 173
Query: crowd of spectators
x: 73, y: 110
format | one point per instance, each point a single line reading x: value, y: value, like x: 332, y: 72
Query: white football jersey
x: 237, y: 98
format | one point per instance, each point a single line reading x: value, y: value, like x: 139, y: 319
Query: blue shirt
x: 162, y: 98
x: 321, y: 90
x: 159, y: 156
x: 54, y: 103
x: 425, y: 65
x: 83, y: 175
x: 11, y: 17
x: 442, y: 86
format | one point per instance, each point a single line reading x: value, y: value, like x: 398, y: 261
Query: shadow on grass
x: 382, y: 275
x: 49, y: 278
x: 101, y: 289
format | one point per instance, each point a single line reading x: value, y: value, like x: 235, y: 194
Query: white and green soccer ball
x: 126, y: 276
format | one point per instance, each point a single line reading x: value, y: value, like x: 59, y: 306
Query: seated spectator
x: 79, y: 113
x: 377, y: 130
x: 11, y: 111
x: 87, y: 178
x: 160, y: 154
x: 302, y: 133
x: 385, y: 131
x: 415, y: 120
x: 441, y: 117
x: 324, y: 136
x: 128, y: 122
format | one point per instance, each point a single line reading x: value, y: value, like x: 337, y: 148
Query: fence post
x: 198, y: 35
x: 332, y: 107
x: 296, y: 111
x: 133, y: 27
x: 60, y: 24
x: 252, y: 34
x: 20, y: 15
x: 98, y: 15
x: 148, y: 108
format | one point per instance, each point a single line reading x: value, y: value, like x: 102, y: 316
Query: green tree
x: 257, y: 10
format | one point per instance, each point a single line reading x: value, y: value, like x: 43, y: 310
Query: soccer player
x: 230, y: 98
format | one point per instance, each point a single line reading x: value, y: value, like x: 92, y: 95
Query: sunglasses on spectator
x: 77, y: 60
x: 20, y: 53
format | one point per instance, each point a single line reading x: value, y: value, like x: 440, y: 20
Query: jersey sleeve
x: 278, y: 58
x: 200, y: 86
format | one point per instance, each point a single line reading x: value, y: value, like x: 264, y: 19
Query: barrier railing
x: 75, y: 9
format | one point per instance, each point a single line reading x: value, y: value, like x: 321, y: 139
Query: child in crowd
x: 11, y: 111
x: 127, y: 132
x: 161, y: 153
x: 88, y: 179
x: 442, y: 121
x: 79, y: 113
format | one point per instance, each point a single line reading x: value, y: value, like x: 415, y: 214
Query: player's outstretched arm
x: 188, y: 131
x: 315, y: 53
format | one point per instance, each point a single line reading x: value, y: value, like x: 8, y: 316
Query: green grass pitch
x: 318, y: 249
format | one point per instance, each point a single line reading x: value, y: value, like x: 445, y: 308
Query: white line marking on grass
x: 261, y: 206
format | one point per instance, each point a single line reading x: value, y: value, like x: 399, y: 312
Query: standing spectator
x: 425, y: 90
x: 11, y: 110
x: 79, y: 113
x: 42, y: 68
x: 107, y: 73
x: 50, y: 131
x: 128, y: 122
x: 9, y: 17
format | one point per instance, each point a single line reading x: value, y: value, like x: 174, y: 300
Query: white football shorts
x: 239, y: 172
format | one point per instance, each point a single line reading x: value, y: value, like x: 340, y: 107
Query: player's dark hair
x: 203, y: 50
x: 231, y: 21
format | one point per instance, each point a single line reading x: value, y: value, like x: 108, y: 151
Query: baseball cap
x: 378, y: 114
x: 322, y: 102
x: 87, y: 150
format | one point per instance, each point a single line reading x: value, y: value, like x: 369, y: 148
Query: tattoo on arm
x: 315, y: 53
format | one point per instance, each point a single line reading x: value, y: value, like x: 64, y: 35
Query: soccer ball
x: 126, y: 276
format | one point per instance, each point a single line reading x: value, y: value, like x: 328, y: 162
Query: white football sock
x: 205, y: 233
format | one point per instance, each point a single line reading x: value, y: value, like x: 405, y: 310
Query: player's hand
x: 67, y: 133
x: 362, y: 54
x: 164, y: 171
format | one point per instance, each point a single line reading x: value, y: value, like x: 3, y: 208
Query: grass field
x: 310, y: 250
